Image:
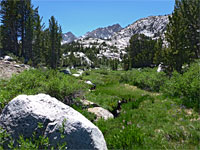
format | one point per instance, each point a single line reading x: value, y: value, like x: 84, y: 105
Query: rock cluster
x: 8, y: 67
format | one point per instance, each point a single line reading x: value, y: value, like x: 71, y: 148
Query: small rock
x: 8, y: 58
x: 80, y: 72
x: 22, y: 65
x: 66, y: 71
x: 101, y: 113
x: 88, y: 103
x: 27, y: 67
x: 90, y: 83
x: 7, y: 62
x: 17, y: 66
x: 159, y: 68
x: 76, y: 75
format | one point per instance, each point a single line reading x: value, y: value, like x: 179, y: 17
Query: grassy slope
x: 146, y: 121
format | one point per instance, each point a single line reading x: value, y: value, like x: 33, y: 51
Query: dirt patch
x: 8, y: 68
x: 130, y: 86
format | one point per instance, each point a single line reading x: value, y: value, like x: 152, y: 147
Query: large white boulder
x: 22, y: 115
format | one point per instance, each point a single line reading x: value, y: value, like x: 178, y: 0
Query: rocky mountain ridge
x: 103, y: 33
x: 152, y: 26
x: 114, y: 46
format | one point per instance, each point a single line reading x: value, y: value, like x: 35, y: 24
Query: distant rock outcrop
x: 22, y: 115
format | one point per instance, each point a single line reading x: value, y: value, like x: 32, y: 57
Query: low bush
x: 185, y: 87
x: 32, y: 82
x: 147, y: 79
x: 102, y: 77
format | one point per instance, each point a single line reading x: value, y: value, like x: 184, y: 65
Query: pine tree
x: 37, y: 44
x: 23, y: 35
x: 45, y: 59
x: 190, y: 12
x: 21, y: 29
x: 58, y: 44
x: 183, y: 35
x: 29, y: 29
x: 55, y: 40
x: 9, y: 20
x: 158, y: 57
x: 141, y: 51
x: 1, y: 51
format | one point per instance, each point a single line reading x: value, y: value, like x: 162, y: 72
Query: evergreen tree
x: 9, y: 20
x: 55, y: 40
x: 183, y: 35
x: 158, y: 57
x: 58, y: 44
x: 190, y: 12
x: 23, y: 35
x: 1, y: 51
x: 37, y: 44
x: 29, y: 29
x: 45, y: 59
x: 141, y: 51
x: 22, y: 21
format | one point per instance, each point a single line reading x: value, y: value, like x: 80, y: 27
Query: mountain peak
x: 68, y: 37
x: 103, y: 32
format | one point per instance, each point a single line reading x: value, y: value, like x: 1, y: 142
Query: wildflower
x: 129, y: 123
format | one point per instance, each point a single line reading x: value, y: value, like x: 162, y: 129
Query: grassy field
x: 148, y: 118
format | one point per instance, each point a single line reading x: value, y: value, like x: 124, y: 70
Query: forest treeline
x: 24, y: 35
x: 181, y: 44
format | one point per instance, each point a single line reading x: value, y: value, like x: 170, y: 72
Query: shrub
x: 147, y: 79
x: 32, y: 82
x: 185, y: 86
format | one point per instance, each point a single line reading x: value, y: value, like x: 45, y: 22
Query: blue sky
x: 80, y: 16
